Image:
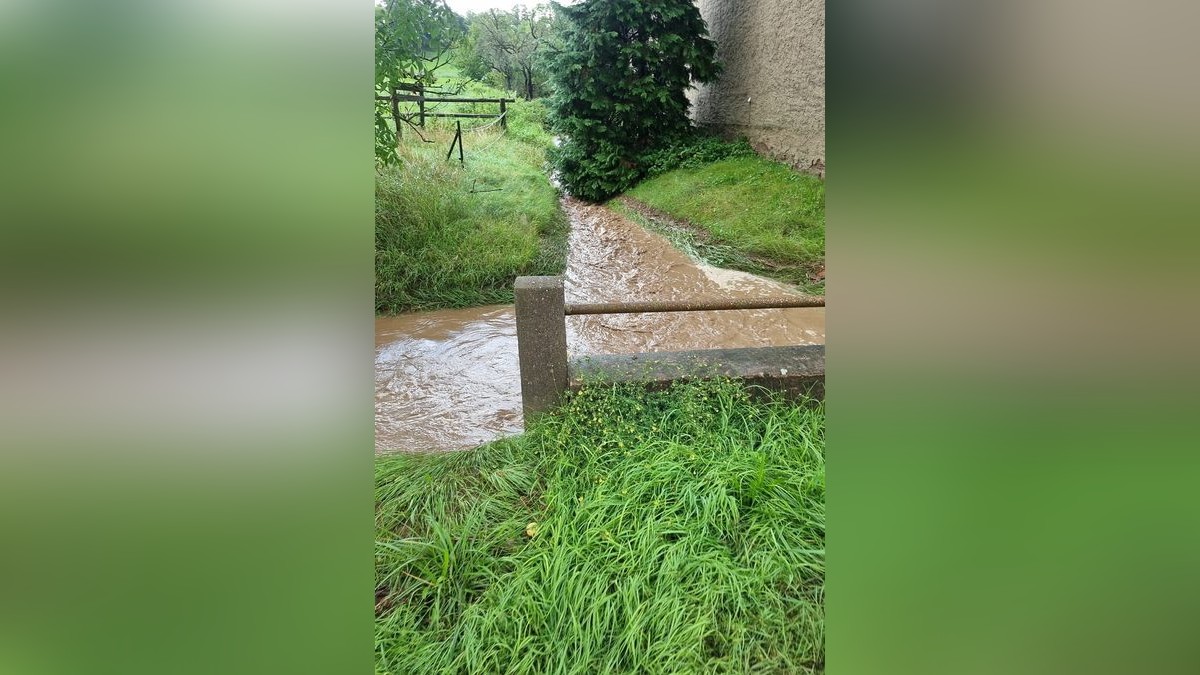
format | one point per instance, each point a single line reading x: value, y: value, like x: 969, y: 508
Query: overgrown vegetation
x: 745, y: 212
x: 413, y: 39
x: 620, y: 86
x: 454, y: 236
x: 675, y: 532
x: 694, y: 151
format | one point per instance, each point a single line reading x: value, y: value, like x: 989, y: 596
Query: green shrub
x: 620, y: 84
x: 693, y: 152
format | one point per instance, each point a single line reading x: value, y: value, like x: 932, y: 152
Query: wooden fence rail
x: 418, y: 96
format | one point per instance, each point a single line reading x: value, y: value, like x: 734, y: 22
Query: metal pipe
x: 575, y: 309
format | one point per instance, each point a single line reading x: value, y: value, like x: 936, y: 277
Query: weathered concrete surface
x: 773, y: 87
x: 541, y: 342
x: 797, y: 370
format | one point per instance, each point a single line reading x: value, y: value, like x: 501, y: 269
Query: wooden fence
x: 415, y: 93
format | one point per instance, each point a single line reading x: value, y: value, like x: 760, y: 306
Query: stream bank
x: 449, y: 379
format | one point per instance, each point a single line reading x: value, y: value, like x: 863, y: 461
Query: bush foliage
x: 620, y: 85
x: 693, y: 152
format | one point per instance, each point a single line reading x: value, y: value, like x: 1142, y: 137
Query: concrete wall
x: 773, y: 87
x: 796, y: 371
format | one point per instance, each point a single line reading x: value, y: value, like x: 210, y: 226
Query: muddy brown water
x: 449, y: 379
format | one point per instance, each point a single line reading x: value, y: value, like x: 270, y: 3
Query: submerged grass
x: 747, y: 213
x: 451, y: 235
x: 680, y: 531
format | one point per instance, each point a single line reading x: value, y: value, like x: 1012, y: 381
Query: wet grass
x: 680, y: 531
x: 747, y: 213
x: 451, y: 235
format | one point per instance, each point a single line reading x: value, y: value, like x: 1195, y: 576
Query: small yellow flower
x: 531, y: 530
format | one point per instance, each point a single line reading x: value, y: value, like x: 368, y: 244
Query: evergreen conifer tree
x: 620, y: 86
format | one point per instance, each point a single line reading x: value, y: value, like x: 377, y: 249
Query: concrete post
x: 541, y: 342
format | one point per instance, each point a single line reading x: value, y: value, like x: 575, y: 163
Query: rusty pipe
x: 575, y: 309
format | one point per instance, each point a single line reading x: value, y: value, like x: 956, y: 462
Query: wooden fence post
x: 541, y: 342
x: 396, y: 113
x: 503, y: 115
x: 421, y: 103
x: 458, y: 126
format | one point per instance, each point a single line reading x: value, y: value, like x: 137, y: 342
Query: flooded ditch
x: 449, y: 379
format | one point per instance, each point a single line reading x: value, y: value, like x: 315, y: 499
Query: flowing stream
x: 449, y: 379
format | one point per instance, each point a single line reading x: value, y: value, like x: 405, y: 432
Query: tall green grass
x: 451, y: 235
x: 672, y: 532
x: 748, y: 213
x: 526, y: 119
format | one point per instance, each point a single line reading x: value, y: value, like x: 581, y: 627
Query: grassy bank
x: 680, y: 531
x: 448, y: 235
x: 746, y: 213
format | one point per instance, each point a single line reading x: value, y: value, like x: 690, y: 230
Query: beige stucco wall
x: 773, y: 87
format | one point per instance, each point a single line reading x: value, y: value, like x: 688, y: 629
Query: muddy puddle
x: 449, y: 379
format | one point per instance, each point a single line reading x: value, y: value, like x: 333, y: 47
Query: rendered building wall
x: 773, y: 87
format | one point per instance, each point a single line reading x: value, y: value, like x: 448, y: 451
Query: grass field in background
x: 451, y: 235
x: 746, y: 213
x: 680, y: 531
